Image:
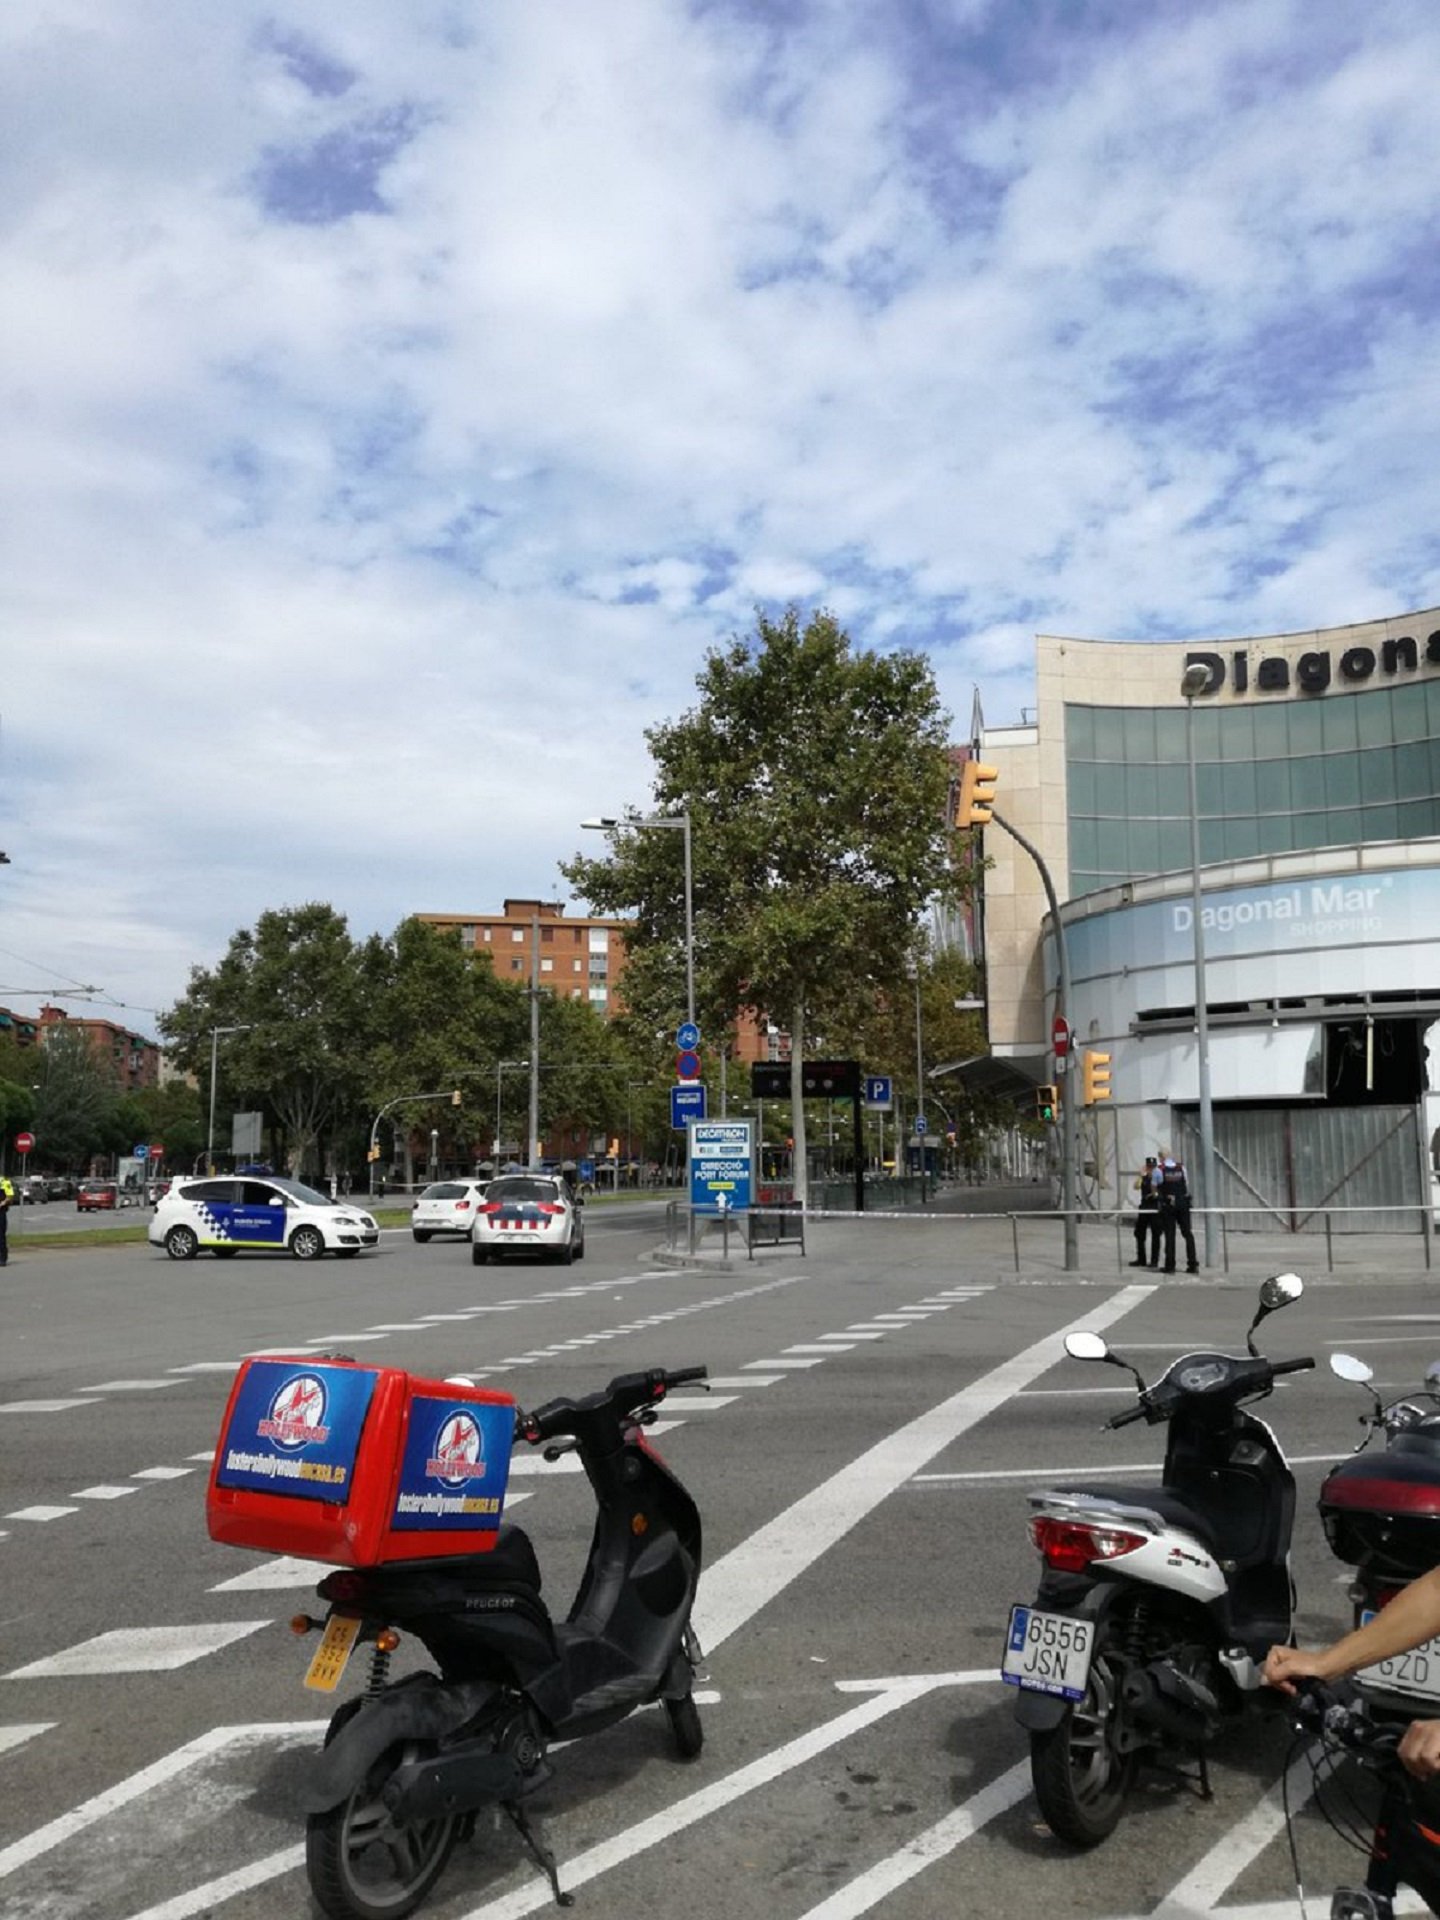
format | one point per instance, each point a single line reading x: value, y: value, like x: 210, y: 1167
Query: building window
x: 599, y: 939
x: 467, y: 936
x: 485, y: 935
x: 517, y: 934
x: 517, y: 966
x: 578, y: 966
x: 1286, y: 777
x: 547, y: 966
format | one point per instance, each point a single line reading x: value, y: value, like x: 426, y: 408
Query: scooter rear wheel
x: 361, y: 1865
x: 1080, y: 1778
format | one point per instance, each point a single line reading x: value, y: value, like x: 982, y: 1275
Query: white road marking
x: 688, y: 1403
x: 162, y: 1473
x: 851, y: 1334
x: 829, y: 1346
x: 398, y: 1326
x: 57, y: 1833
x: 868, y: 1889
x: 208, y: 1366
x: 738, y: 1380
x: 796, y: 1365
x: 43, y: 1406
x: 750, y: 1575
x: 40, y: 1513
x: 102, y: 1493
x: 869, y: 1326
x: 206, y: 1457
x: 662, y: 1826
x: 1074, y: 1472
x: 21, y: 1731
x: 128, y: 1386
x: 335, y: 1340
x: 139, y: 1650
x: 1218, y: 1870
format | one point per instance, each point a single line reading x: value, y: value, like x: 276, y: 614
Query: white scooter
x: 1157, y: 1604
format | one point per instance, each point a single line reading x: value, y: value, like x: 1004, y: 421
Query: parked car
x: 97, y: 1196
x: 447, y: 1206
x: 31, y: 1189
x: 271, y: 1214
x: 528, y: 1213
x: 60, y: 1186
x: 156, y: 1190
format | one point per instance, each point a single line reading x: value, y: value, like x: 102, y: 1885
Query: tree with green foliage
x: 294, y: 982
x: 816, y: 779
x: 75, y: 1100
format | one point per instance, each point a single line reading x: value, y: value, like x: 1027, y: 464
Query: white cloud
x: 349, y: 557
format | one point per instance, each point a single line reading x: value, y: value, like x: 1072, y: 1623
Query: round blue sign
x: 687, y: 1035
x: 921, y: 1123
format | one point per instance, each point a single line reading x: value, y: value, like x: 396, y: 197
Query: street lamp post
x: 1194, y: 681
x: 500, y: 1067
x: 606, y: 823
x: 215, y: 1033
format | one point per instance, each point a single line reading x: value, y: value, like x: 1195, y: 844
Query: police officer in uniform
x: 7, y: 1195
x: 1147, y: 1221
x: 1174, y: 1191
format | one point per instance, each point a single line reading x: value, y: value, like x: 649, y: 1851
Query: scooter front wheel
x: 361, y: 1865
x: 1080, y: 1776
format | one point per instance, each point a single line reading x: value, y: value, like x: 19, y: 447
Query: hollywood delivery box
x: 357, y: 1465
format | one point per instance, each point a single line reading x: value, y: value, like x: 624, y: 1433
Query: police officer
x: 1174, y: 1191
x: 7, y: 1195
x: 1147, y: 1221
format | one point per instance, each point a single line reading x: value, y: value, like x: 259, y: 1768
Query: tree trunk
x: 800, y: 1159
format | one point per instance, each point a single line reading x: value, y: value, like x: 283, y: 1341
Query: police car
x: 227, y: 1215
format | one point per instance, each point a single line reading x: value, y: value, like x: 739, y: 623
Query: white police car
x: 228, y: 1214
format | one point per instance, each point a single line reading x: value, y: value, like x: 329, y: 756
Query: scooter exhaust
x: 1161, y: 1699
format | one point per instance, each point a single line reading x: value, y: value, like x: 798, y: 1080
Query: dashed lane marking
x: 128, y: 1386
x: 139, y: 1650
x: 44, y: 1406
x: 40, y: 1513
x: 102, y: 1493
x: 162, y: 1473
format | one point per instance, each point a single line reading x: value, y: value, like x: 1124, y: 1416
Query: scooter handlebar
x: 625, y: 1394
x: 1292, y: 1366
x: 1129, y: 1416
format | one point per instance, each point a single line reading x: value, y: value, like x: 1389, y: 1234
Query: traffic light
x: 977, y: 794
x: 1095, y: 1076
x: 1046, y: 1101
x: 455, y: 1098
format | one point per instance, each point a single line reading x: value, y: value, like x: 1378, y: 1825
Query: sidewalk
x: 995, y: 1249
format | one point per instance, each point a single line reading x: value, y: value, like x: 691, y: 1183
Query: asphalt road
x: 878, y: 1414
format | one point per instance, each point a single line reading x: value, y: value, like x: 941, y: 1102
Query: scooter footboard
x: 422, y: 1708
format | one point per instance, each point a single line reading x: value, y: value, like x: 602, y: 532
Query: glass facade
x: 1276, y: 778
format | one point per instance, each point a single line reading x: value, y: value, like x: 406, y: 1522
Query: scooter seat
x: 1166, y: 1506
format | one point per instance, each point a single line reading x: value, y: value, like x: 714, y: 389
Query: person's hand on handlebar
x: 1285, y: 1665
x: 1419, y: 1748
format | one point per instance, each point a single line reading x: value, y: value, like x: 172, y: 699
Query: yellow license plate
x: 333, y: 1653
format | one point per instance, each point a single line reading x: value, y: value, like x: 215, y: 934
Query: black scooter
x: 407, y: 1767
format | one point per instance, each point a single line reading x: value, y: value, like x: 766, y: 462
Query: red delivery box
x: 333, y: 1460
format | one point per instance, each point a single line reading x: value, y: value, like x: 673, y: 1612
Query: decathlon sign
x: 722, y: 1165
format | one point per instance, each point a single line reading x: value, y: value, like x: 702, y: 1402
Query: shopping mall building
x: 1317, y: 771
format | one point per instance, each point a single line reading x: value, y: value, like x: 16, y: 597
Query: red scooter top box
x: 334, y: 1460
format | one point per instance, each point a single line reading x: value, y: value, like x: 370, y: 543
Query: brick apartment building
x: 582, y: 957
x: 133, y: 1060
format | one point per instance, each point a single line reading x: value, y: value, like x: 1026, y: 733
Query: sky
x: 400, y: 400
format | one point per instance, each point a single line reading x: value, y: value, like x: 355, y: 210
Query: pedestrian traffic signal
x: 1046, y: 1101
x: 977, y: 794
x: 1095, y: 1076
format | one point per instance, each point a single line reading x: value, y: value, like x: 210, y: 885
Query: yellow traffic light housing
x: 1095, y: 1076
x: 455, y: 1098
x: 1046, y: 1102
x: 977, y: 794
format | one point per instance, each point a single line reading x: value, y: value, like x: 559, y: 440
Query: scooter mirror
x: 1280, y: 1290
x: 1347, y: 1367
x: 1432, y: 1374
x: 1086, y: 1346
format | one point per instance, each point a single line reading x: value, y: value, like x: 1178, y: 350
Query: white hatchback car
x: 269, y: 1212
x: 447, y: 1206
x: 528, y: 1213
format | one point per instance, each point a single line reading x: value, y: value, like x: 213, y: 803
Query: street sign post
x: 687, y: 1103
x: 24, y: 1144
x: 878, y: 1091
x: 687, y: 1064
x: 1060, y: 1036
x: 687, y: 1036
